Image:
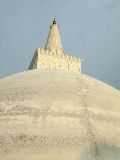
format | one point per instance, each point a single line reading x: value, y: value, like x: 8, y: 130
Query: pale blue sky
x: 89, y: 29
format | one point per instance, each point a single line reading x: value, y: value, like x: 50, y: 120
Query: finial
x: 54, y: 21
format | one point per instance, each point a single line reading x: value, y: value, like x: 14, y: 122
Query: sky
x: 90, y: 29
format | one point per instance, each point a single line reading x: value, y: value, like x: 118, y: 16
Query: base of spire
x: 54, y: 60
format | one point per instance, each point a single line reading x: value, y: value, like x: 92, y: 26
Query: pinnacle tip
x: 54, y: 21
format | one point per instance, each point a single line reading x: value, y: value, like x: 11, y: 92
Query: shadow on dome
x: 103, y: 152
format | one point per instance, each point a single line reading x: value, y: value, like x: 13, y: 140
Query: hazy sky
x: 89, y: 29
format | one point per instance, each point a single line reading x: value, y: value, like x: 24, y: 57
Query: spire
x: 54, y: 40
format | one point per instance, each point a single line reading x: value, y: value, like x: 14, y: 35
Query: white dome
x: 58, y: 115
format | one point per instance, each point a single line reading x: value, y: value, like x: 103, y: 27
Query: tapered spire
x: 54, y: 40
x: 52, y: 57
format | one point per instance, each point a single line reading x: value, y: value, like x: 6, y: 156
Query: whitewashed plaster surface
x: 58, y: 115
x: 53, y: 60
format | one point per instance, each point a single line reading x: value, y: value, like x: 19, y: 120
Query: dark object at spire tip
x: 54, y: 21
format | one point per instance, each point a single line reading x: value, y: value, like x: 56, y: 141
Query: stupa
x: 54, y: 112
